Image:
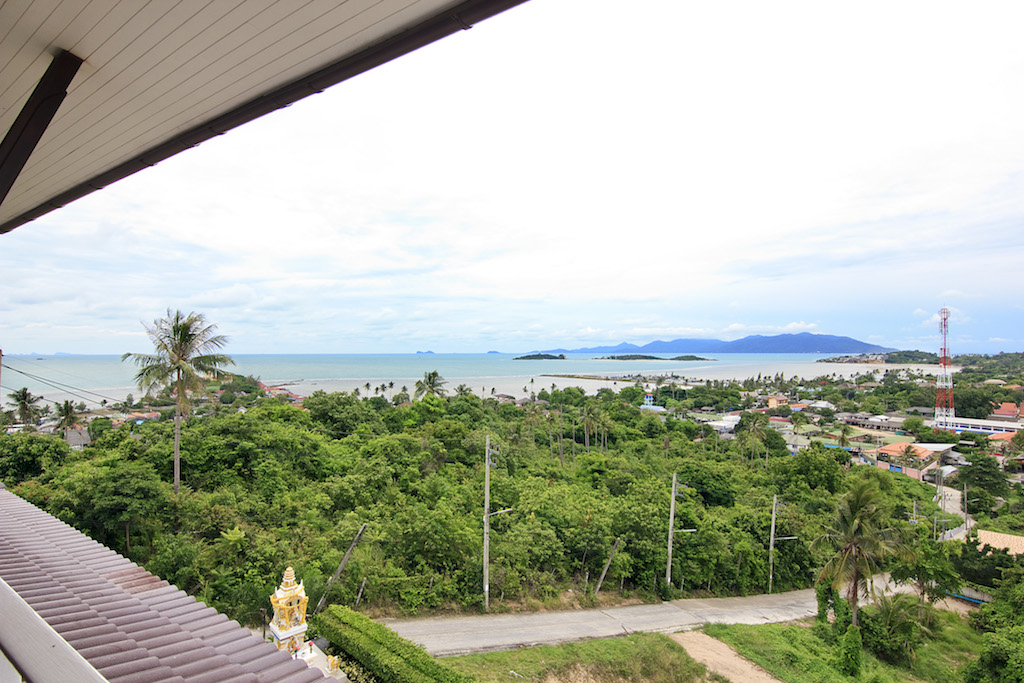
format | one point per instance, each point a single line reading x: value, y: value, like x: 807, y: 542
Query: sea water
x: 92, y: 378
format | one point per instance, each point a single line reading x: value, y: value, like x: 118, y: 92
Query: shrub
x: 381, y: 651
x: 851, y: 652
x: 844, y: 617
x: 825, y: 594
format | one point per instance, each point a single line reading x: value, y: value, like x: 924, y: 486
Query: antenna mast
x: 944, y: 414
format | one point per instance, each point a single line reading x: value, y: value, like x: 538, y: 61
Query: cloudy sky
x: 580, y: 172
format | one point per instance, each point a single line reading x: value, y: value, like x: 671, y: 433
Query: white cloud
x: 750, y: 159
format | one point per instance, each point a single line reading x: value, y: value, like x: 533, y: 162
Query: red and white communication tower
x: 944, y: 415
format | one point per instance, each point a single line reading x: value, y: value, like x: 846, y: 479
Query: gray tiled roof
x: 130, y: 625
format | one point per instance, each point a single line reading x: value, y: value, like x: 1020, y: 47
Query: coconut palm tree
x: 862, y: 539
x: 25, y: 405
x: 588, y: 419
x: 756, y: 429
x: 184, y: 356
x: 432, y: 383
x: 844, y: 435
x: 67, y: 414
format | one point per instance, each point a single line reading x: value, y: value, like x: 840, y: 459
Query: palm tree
x: 756, y: 430
x: 588, y: 419
x: 25, y: 405
x: 68, y: 415
x: 862, y: 539
x: 184, y: 357
x: 432, y: 383
x: 605, y: 422
x: 463, y: 390
x: 844, y: 435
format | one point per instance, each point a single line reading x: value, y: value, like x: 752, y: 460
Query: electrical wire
x: 60, y: 386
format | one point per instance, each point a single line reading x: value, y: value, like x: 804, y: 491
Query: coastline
x: 92, y: 378
x: 520, y: 386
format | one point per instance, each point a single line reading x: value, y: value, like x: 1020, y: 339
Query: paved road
x: 445, y: 636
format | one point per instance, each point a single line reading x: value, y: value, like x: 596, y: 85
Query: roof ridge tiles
x: 148, y: 635
x: 85, y: 632
x: 219, y: 640
x: 307, y: 675
x: 134, y: 626
x: 193, y: 667
x: 81, y: 628
x: 133, y: 667
x: 250, y: 653
x: 104, y: 649
x: 217, y: 677
x: 157, y: 675
x: 288, y: 668
x: 102, y: 661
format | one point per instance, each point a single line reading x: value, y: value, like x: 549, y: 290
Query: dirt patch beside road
x: 722, y: 659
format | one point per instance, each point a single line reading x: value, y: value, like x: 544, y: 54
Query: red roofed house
x: 907, y: 458
x: 1006, y: 411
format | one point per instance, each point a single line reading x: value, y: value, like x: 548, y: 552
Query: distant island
x: 805, y: 342
x: 640, y: 356
x: 541, y: 356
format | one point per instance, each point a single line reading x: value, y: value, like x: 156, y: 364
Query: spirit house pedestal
x: 289, y: 624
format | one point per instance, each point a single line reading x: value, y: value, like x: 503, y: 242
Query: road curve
x: 447, y: 636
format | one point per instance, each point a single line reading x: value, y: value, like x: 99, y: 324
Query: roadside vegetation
x: 638, y: 658
x: 797, y: 654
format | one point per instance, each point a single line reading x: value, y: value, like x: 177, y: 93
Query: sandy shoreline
x: 521, y: 386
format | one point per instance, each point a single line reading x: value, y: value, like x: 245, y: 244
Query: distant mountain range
x: 805, y: 342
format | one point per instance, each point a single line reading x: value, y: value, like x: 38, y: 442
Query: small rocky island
x: 541, y: 356
x: 640, y: 356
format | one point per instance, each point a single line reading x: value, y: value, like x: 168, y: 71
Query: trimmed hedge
x: 381, y: 651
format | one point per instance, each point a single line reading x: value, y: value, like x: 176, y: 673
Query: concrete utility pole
x: 671, y: 524
x: 672, y: 529
x: 341, y: 568
x: 607, y: 564
x: 771, y: 543
x: 487, y: 521
x: 967, y: 520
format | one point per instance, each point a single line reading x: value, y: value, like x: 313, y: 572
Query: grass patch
x: 647, y: 657
x: 796, y: 654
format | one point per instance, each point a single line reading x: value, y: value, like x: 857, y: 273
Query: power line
x: 60, y: 386
x: 50, y: 367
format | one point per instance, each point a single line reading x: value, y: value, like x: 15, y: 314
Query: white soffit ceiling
x: 157, y: 74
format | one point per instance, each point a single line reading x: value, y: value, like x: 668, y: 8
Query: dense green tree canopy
x: 279, y: 485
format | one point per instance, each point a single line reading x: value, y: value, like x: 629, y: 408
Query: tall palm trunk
x: 852, y: 597
x: 177, y: 448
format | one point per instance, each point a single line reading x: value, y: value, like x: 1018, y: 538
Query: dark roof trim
x: 461, y: 17
x: 35, y: 116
